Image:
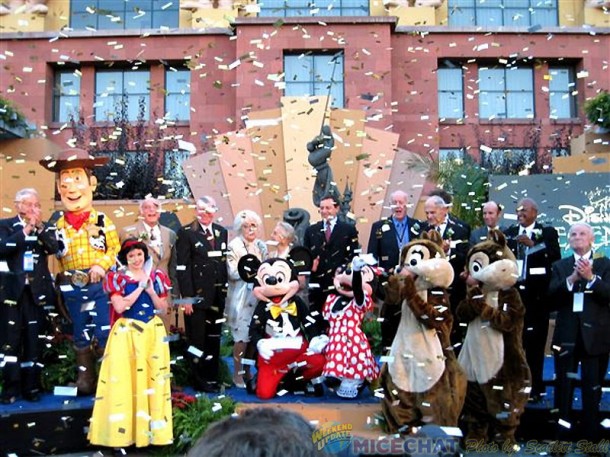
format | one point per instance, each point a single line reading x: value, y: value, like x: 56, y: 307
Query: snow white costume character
x: 133, y: 398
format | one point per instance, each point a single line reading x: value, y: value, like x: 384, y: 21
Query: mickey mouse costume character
x: 422, y: 380
x: 492, y: 356
x: 348, y: 353
x: 287, y: 336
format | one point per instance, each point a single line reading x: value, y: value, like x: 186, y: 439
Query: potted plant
x: 597, y: 111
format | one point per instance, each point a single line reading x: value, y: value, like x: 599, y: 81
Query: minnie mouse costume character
x: 287, y: 336
x: 348, y: 354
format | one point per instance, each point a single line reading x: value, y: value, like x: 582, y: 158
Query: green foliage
x: 192, y: 416
x: 468, y: 183
x: 372, y: 329
x: 11, y: 116
x: 59, y: 361
x: 597, y: 109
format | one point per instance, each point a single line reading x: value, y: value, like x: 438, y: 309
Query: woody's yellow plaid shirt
x: 81, y: 255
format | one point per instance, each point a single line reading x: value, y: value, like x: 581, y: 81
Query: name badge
x: 578, y: 304
x: 28, y: 261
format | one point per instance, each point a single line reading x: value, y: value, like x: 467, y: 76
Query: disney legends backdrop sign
x: 562, y: 199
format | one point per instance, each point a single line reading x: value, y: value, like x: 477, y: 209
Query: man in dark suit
x: 455, y: 236
x: 536, y: 247
x: 580, y: 291
x: 387, y: 238
x: 332, y: 244
x: 202, y: 277
x: 492, y: 212
x: 26, y: 289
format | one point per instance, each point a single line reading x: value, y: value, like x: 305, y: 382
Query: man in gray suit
x: 160, y: 241
x: 492, y: 212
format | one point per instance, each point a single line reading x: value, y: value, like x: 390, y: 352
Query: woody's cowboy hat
x: 72, y: 158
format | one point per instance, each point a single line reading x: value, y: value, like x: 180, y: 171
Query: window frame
x: 122, y: 95
x: 271, y: 8
x: 508, y: 96
x: 571, y: 91
x: 443, y: 67
x: 100, y: 13
x: 457, y: 8
x: 58, y: 95
x: 318, y: 87
x: 170, y: 94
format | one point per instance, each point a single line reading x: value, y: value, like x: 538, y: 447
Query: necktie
x: 327, y: 232
x: 521, y: 247
x: 209, y: 237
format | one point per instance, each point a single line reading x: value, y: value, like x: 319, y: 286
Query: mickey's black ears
x: 247, y: 267
x: 301, y: 259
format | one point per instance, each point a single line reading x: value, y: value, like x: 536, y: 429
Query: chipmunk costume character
x: 499, y: 379
x: 422, y: 381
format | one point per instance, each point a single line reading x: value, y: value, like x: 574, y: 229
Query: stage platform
x: 57, y: 424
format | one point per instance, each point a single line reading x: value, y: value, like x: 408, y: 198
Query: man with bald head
x: 580, y: 292
x: 492, y: 212
x: 387, y: 238
x: 536, y: 247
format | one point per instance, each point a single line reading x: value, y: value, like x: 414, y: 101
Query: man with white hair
x: 580, y: 292
x: 387, y: 238
x: 26, y: 289
x: 201, y: 249
x: 160, y: 241
x: 455, y: 235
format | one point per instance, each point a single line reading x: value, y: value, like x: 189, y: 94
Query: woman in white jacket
x: 240, y: 303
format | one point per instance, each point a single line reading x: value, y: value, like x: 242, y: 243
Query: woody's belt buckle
x: 79, y: 278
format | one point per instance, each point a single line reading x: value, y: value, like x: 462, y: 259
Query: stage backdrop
x: 563, y: 200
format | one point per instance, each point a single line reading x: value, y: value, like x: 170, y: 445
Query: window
x: 509, y: 161
x: 178, y: 94
x: 310, y: 74
x: 450, y: 91
x: 135, y: 174
x: 562, y: 97
x: 122, y: 14
x: 506, y: 93
x: 448, y: 154
x: 292, y: 8
x: 66, y: 95
x: 528, y: 13
x: 122, y: 94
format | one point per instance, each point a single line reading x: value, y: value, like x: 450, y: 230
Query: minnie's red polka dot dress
x: 348, y: 353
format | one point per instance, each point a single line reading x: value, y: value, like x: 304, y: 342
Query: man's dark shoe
x: 32, y: 397
x: 8, y: 399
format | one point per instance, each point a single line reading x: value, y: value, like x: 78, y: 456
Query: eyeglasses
x: 29, y: 204
x: 250, y: 226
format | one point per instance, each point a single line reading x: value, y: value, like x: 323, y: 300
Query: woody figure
x: 88, y: 243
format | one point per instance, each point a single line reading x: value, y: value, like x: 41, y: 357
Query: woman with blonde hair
x: 240, y: 304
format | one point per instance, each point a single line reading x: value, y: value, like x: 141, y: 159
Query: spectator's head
x: 150, y: 211
x: 258, y: 432
x: 246, y: 224
x: 206, y: 210
x: 27, y: 203
x: 581, y: 238
x: 446, y: 196
x: 398, y: 203
x: 436, y: 210
x: 491, y: 214
x: 527, y: 212
x: 283, y: 233
x: 329, y: 206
